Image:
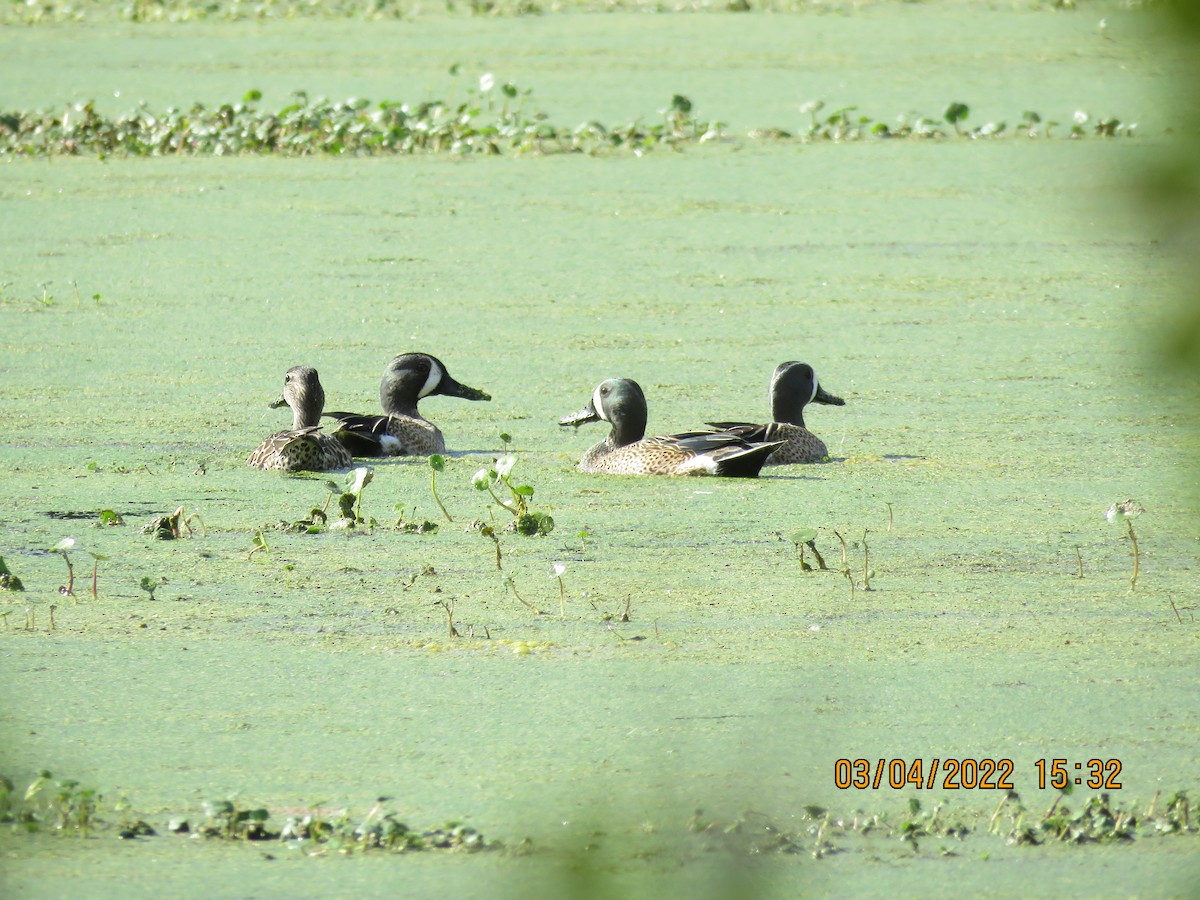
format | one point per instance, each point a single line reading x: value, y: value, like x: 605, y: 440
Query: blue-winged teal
x: 626, y: 450
x: 303, y: 447
x: 401, y: 430
x: 793, y: 386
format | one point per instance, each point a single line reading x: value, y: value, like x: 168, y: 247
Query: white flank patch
x: 598, y: 403
x: 699, y: 465
x: 391, y: 446
x: 434, y: 379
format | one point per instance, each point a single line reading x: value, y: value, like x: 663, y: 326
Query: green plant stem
x: 512, y: 584
x: 436, y: 498
x: 70, y: 591
x: 511, y: 509
x: 866, y: 563
x: 1136, y: 555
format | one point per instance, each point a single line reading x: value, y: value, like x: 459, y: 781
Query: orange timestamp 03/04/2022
x: 969, y: 773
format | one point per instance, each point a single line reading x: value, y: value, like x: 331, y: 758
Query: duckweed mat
x: 673, y: 720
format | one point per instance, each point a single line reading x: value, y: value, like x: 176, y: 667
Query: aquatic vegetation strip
x: 66, y: 807
x: 39, y: 12
x: 493, y: 119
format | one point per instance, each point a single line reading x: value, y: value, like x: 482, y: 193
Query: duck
x: 627, y: 451
x: 402, y: 430
x: 303, y: 447
x: 794, y: 385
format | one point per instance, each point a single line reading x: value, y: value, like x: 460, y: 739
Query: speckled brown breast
x: 802, y: 446
x: 417, y: 437
x: 309, y: 450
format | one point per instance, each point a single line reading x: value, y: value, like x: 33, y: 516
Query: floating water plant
x: 955, y: 113
x: 110, y: 518
x: 867, y: 570
x: 97, y: 558
x: 448, y: 606
x: 508, y: 582
x: 489, y: 532
x: 63, y: 548
x: 9, y: 581
x: 168, y: 528
x: 350, y: 502
x: 474, y: 125
x: 425, y: 570
x: 807, y: 537
x: 557, y: 570
x: 1126, y: 512
x: 69, y: 806
x: 499, y: 476
x: 149, y: 585
x: 258, y: 545
x: 223, y: 818
x: 414, y: 525
x: 437, y: 463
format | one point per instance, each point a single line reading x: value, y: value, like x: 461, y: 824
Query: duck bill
x: 277, y: 402
x: 585, y: 415
x: 823, y: 396
x: 452, y: 388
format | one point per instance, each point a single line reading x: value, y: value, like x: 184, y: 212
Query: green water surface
x: 988, y: 311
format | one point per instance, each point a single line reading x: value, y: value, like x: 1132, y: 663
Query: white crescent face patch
x: 598, y: 402
x: 434, y: 379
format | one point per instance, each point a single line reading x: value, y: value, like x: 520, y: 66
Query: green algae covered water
x: 987, y: 309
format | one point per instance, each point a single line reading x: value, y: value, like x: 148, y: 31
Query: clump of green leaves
x: 490, y: 119
x: 258, y: 544
x: 150, y: 585
x: 350, y: 499
x: 225, y: 819
x: 168, y: 528
x: 807, y: 537
x: 498, y: 477
x: 414, y: 525
x: 64, y: 805
x: 318, y: 831
x: 9, y: 581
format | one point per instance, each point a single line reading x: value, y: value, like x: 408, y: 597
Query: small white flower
x: 482, y: 479
x: 504, y: 465
x: 65, y: 544
x: 360, y: 478
x: 1080, y: 117
x: 487, y: 81
x: 558, y: 569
